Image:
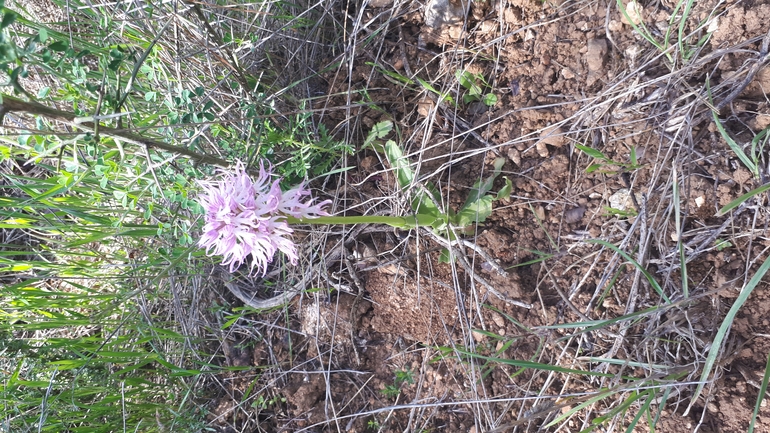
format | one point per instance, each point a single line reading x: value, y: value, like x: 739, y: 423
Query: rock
x: 596, y: 55
x: 514, y: 155
x: 498, y: 319
x: 478, y: 336
x: 553, y: 136
x: 634, y: 14
x: 443, y: 21
x: 760, y: 122
x: 512, y: 16
x: 425, y: 106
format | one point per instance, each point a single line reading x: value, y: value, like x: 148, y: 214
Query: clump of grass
x: 99, y: 325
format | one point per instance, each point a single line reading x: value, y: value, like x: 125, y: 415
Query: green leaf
x: 751, y: 165
x: 489, y: 99
x: 636, y: 264
x: 724, y: 328
x: 738, y: 201
x: 8, y: 19
x: 468, y: 80
x: 400, y: 163
x: 422, y: 203
x: 478, y: 211
x: 468, y: 98
x: 593, y: 167
x: 444, y: 257
x: 379, y: 130
x: 481, y: 188
x: 42, y: 35
x: 593, y: 153
x: 394, y: 75
x: 505, y: 192
x: 444, y: 97
x: 58, y: 46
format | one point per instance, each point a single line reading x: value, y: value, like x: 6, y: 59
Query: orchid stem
x: 393, y: 221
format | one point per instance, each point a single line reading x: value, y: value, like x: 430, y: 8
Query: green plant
x: 400, y: 377
x: 264, y: 403
x: 99, y: 190
x: 391, y: 391
x: 404, y: 376
x: 677, y: 24
x: 373, y: 424
x: 477, y: 207
x: 476, y: 88
x: 604, y: 161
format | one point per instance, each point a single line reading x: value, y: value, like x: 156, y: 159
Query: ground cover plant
x: 578, y: 191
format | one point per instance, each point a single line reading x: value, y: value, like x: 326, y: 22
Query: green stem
x: 393, y: 221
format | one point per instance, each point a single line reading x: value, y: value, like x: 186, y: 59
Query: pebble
x: 596, y: 55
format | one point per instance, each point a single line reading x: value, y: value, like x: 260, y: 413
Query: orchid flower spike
x: 246, y: 217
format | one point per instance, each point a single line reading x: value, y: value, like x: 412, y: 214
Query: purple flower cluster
x: 248, y: 217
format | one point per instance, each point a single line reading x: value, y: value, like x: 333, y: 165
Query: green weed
x: 99, y: 194
x: 476, y: 88
x: 425, y: 202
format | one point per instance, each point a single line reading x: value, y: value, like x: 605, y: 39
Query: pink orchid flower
x: 246, y: 217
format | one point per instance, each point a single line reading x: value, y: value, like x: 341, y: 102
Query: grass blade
x: 724, y: 328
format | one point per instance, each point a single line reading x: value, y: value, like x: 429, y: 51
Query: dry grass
x: 625, y: 338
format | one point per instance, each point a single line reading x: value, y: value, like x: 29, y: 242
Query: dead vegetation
x: 617, y: 129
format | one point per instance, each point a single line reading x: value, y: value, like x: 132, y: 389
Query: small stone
x: 633, y: 52
x: 554, y: 136
x: 529, y: 35
x: 761, y: 122
x: 634, y: 14
x: 478, y: 336
x: 622, y: 201
x: 425, y: 106
x: 512, y: 16
x: 498, y: 319
x: 714, y: 26
x: 514, y: 155
x: 596, y: 55
x: 488, y: 26
x: 567, y: 73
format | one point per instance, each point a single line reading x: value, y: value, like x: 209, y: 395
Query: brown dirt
x: 571, y: 78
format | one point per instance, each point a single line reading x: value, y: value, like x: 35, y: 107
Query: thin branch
x: 11, y: 104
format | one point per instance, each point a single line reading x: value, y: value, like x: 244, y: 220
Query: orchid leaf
x: 593, y: 153
x: 424, y: 202
x: 478, y: 206
x: 429, y: 87
x: 400, y: 163
x: 505, y: 192
x: 477, y: 211
x: 480, y: 188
